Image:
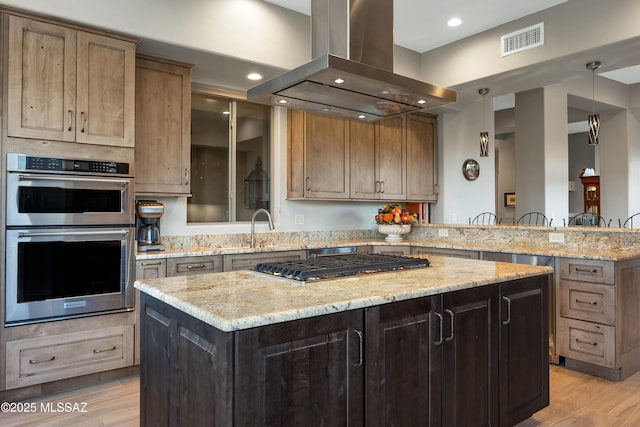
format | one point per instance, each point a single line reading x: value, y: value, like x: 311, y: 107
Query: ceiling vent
x: 524, y: 39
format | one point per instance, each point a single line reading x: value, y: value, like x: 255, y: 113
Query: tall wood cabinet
x: 69, y: 85
x: 591, y: 194
x: 331, y: 158
x: 163, y: 126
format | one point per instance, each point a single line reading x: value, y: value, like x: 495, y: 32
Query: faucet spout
x: 253, y: 224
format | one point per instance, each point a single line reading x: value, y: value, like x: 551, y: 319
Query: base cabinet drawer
x: 248, y: 261
x: 43, y: 359
x: 586, y: 270
x: 586, y: 341
x: 587, y: 301
x: 185, y: 266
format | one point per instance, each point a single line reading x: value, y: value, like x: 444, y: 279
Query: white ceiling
x: 412, y: 17
x: 420, y: 25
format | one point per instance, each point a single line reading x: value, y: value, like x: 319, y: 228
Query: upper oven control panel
x: 25, y: 163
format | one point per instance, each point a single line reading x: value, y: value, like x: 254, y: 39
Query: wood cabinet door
x: 524, y: 342
x: 364, y: 177
x: 163, y: 124
x: 308, y: 372
x: 470, y: 358
x: 105, y: 112
x: 41, y: 75
x: 391, y: 158
x: 326, y: 158
x: 404, y: 378
x: 422, y: 158
x: 186, y: 372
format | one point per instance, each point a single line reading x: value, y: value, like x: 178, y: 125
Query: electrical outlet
x: 556, y: 237
x: 298, y: 219
x: 443, y: 232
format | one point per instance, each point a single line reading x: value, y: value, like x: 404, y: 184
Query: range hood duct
x: 352, y: 73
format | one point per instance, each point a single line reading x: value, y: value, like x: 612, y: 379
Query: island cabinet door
x: 524, y: 343
x: 404, y: 378
x: 307, y: 372
x: 185, y: 370
x: 470, y: 358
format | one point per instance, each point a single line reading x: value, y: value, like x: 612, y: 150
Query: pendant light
x: 594, y: 119
x: 484, y: 136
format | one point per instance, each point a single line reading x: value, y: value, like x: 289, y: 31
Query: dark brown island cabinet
x: 475, y: 357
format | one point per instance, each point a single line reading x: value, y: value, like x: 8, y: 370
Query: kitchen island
x: 461, y: 342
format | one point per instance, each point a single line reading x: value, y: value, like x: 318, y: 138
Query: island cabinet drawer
x: 185, y: 266
x: 586, y: 270
x: 151, y: 269
x: 44, y: 359
x: 586, y: 341
x: 248, y: 261
x: 588, y: 301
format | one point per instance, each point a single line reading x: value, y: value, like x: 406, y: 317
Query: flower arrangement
x: 395, y: 215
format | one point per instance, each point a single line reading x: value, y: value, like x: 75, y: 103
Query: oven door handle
x: 72, y: 233
x: 26, y: 177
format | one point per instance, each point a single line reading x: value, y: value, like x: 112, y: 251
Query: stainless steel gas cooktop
x: 331, y: 267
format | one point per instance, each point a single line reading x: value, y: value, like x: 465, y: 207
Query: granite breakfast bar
x: 457, y: 341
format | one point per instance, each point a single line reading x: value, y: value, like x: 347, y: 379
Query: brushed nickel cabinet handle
x: 146, y: 263
x: 105, y: 350
x: 70, y: 116
x: 377, y: 186
x: 83, y: 121
x: 506, y: 322
x: 35, y: 362
x: 361, y: 348
x: 586, y: 342
x: 586, y: 302
x: 308, y: 184
x: 451, y: 316
x: 382, y: 186
x: 186, y: 176
x: 586, y: 270
x: 192, y: 266
x: 441, y: 321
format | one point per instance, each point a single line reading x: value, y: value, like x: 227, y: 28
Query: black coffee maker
x: 148, y: 223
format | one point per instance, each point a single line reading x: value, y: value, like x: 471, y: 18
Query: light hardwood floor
x: 577, y: 400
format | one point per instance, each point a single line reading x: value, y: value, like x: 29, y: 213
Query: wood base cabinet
x: 598, y: 314
x: 476, y: 357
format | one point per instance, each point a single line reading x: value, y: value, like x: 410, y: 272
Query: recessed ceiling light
x: 339, y: 81
x: 421, y: 101
x: 325, y: 109
x: 226, y: 113
x: 254, y: 76
x: 282, y: 101
x: 454, y: 22
x: 362, y: 116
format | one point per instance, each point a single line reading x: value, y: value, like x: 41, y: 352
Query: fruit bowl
x: 394, y: 232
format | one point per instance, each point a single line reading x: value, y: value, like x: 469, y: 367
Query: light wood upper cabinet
x: 378, y: 157
x: 69, y: 85
x: 422, y: 158
x: 318, y: 157
x: 392, y: 159
x: 163, y: 126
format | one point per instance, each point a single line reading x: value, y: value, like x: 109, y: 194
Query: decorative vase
x: 394, y: 232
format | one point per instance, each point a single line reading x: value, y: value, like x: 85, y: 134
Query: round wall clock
x: 470, y: 169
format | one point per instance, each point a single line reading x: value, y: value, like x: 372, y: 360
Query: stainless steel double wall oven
x: 69, y: 238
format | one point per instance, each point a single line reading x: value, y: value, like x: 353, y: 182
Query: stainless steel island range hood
x: 352, y: 73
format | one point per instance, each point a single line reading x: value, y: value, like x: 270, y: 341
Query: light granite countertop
x: 590, y: 250
x: 239, y: 300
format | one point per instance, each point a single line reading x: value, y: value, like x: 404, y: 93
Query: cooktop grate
x: 339, y: 265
